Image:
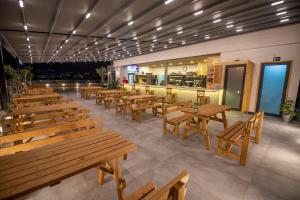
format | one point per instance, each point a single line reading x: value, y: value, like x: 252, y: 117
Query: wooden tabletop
x: 206, y: 110
x: 28, y: 171
x: 111, y: 91
x: 92, y: 88
x: 143, y: 96
x: 42, y: 108
x: 34, y: 97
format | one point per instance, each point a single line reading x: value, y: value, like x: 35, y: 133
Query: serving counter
x: 182, y: 93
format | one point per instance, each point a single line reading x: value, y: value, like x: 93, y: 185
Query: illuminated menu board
x: 132, y: 68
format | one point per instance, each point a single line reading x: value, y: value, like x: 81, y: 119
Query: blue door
x: 273, y: 87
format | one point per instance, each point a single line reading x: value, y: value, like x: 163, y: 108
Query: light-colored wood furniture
x: 174, y: 190
x: 37, y: 98
x: 28, y: 111
x: 12, y: 125
x: 247, y: 82
x: 257, y: 128
x: 170, y: 97
x: 41, y: 103
x: 200, y: 116
x: 101, y: 95
x: 142, y: 104
x: 148, y: 91
x: 25, y: 172
x: 201, y: 98
x: 237, y: 135
x: 87, y: 92
x: 31, y: 139
x: 38, y: 91
x: 174, y: 121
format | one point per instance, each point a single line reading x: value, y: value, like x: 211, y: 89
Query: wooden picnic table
x: 86, y: 92
x: 136, y: 97
x: 200, y: 116
x: 28, y: 171
x: 35, y: 98
x: 41, y: 109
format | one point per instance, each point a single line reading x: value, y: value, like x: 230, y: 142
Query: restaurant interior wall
x: 257, y: 47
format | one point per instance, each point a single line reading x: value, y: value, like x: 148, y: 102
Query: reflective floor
x: 272, y: 171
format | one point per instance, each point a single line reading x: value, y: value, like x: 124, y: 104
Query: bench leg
x: 120, y: 181
x: 224, y: 120
x: 176, y: 130
x: 165, y: 128
x: 204, y: 124
x: 244, y: 150
x: 186, y: 129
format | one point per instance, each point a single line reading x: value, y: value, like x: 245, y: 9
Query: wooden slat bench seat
x: 173, y: 121
x: 237, y: 135
x: 23, y: 141
x: 13, y: 125
x: 41, y: 103
x: 37, y: 98
x: 174, y: 190
x: 28, y: 171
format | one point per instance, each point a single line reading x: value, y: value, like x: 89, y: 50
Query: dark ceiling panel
x: 51, y: 22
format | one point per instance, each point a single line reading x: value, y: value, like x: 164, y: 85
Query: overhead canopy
x: 94, y: 30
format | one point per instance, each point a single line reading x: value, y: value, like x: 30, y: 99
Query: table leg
x: 120, y: 181
x: 224, y: 120
x: 186, y: 128
x: 204, y: 124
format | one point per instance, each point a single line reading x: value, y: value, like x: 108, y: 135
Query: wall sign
x: 133, y: 68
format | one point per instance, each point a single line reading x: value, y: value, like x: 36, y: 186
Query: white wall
x: 257, y: 47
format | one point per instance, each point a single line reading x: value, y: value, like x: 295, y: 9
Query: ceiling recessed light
x: 165, y: 46
x: 109, y: 35
x: 66, y: 41
x: 159, y: 28
x: 60, y: 47
x: 87, y: 15
x: 239, y: 30
x: 135, y: 38
x: 154, y: 40
x: 28, y: 46
x: 277, y: 3
x: 284, y: 20
x: 21, y: 4
x: 182, y: 42
x: 130, y: 23
x: 25, y: 27
x: 96, y: 42
x: 198, y: 12
x: 180, y: 32
x: 168, y: 1
x: 207, y: 37
x: 229, y: 26
x: 217, y: 20
x: 74, y: 31
x: 192, y: 62
x: 27, y: 39
x: 281, y: 13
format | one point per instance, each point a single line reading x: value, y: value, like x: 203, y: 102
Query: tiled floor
x: 272, y: 171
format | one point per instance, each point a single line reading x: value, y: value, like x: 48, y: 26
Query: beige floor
x: 272, y: 171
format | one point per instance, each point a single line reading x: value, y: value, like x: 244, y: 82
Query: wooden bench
x: 237, y: 135
x: 174, y: 190
x: 257, y: 128
x: 27, y: 140
x: 173, y: 121
x: 13, y: 125
x: 143, y: 104
x: 41, y: 103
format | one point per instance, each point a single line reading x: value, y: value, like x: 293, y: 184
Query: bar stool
x: 148, y: 91
x: 201, y: 98
x: 170, y: 98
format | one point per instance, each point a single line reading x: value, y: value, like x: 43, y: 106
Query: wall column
x: 3, y: 86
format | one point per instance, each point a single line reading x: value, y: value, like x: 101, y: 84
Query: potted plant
x: 288, y: 112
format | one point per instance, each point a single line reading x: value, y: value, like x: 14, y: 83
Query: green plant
x: 287, y: 108
x: 114, y: 84
x: 101, y: 71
